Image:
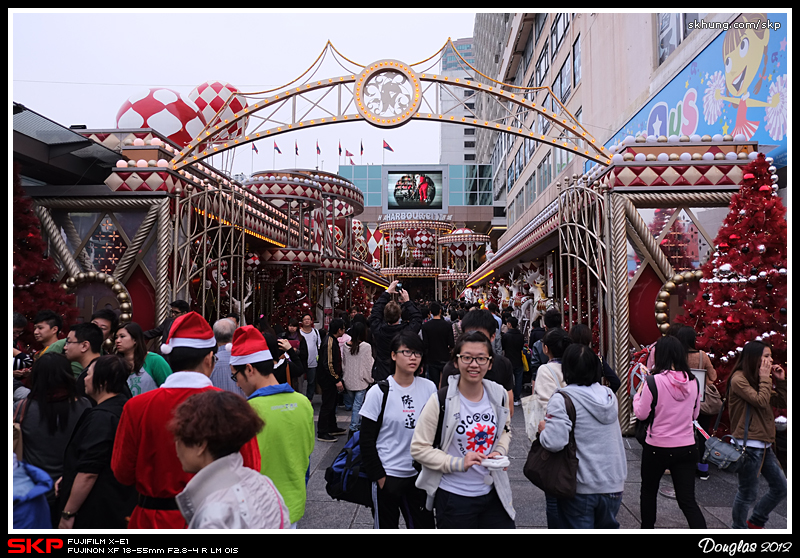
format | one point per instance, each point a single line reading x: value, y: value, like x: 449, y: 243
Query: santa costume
x: 144, y: 450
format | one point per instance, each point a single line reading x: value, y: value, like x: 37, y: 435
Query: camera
x: 399, y: 286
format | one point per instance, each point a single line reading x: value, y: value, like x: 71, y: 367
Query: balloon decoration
x: 210, y: 97
x: 165, y: 111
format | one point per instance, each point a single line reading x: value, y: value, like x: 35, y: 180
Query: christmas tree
x: 293, y: 300
x: 743, y: 290
x: 35, y: 285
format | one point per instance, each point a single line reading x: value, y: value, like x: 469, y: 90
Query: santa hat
x: 248, y: 346
x: 190, y: 330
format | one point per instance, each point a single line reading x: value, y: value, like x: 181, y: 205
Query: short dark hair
x: 263, y: 367
x: 512, y: 321
x: 224, y: 420
x: 556, y: 341
x: 19, y: 320
x: 580, y: 333
x: 335, y: 325
x: 552, y: 318
x: 392, y: 312
x: 479, y: 319
x: 436, y: 309
x: 408, y: 339
x: 90, y: 332
x: 110, y: 373
x: 493, y: 307
x: 580, y: 365
x: 181, y: 305
x: 107, y: 314
x: 51, y: 318
x: 182, y: 359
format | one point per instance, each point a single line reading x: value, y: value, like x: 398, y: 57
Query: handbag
x: 556, y: 473
x: 712, y: 400
x: 727, y: 455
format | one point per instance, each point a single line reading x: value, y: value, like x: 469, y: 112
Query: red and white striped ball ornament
x: 164, y: 110
x: 211, y: 96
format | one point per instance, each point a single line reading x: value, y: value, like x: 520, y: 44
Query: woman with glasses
x: 463, y: 460
x: 388, y: 418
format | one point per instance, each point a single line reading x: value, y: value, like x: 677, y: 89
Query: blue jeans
x: 311, y: 376
x: 358, y: 401
x: 590, y: 511
x: 518, y: 383
x: 748, y: 488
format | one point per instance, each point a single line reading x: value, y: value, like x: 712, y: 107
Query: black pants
x: 681, y: 462
x: 327, y: 411
x: 400, y: 495
x: 435, y: 372
x: 476, y: 512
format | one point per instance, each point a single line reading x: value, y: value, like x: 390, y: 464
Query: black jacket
x: 513, y: 341
x: 383, y: 333
x: 437, y: 335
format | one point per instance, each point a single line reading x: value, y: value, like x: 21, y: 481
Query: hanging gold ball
x: 662, y: 318
x: 669, y: 286
x: 91, y: 276
x: 677, y: 279
x: 125, y: 307
x: 108, y: 346
x: 101, y: 277
x: 122, y: 297
x: 662, y: 307
x: 663, y: 328
x: 81, y: 276
x: 124, y: 317
x: 110, y: 280
x: 117, y: 287
x: 663, y: 295
x: 71, y: 282
x: 688, y: 276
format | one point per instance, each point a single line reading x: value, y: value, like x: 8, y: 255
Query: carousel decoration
x: 164, y: 110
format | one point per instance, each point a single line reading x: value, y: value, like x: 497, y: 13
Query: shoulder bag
x: 727, y: 455
x: 712, y: 400
x: 643, y: 425
x: 556, y: 473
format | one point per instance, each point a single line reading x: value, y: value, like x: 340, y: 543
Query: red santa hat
x: 190, y: 330
x: 248, y: 346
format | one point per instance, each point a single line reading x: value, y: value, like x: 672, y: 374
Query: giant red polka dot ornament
x: 211, y: 96
x: 163, y: 110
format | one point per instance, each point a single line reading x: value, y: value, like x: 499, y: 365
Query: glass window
x: 374, y: 171
x: 374, y: 186
x: 539, y: 24
x: 566, y: 80
x: 346, y: 171
x: 530, y: 187
x: 374, y: 200
x: 456, y: 184
x: 510, y: 213
x: 469, y: 131
x: 542, y: 65
x: 456, y: 198
x: 558, y: 31
x: 470, y: 171
x: 361, y: 185
x: 360, y: 171
x: 469, y: 156
x: 576, y: 60
x: 456, y: 171
x: 485, y: 198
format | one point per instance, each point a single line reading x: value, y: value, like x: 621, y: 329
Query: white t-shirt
x: 399, y: 419
x: 477, y: 431
x: 141, y: 382
x: 312, y: 340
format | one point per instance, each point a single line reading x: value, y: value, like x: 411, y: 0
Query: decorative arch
x: 388, y: 93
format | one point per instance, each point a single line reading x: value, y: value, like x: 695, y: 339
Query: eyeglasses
x: 481, y: 360
x: 233, y: 376
x: 408, y: 354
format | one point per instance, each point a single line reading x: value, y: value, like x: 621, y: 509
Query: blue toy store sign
x: 737, y: 86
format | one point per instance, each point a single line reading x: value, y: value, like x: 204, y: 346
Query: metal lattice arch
x: 387, y: 94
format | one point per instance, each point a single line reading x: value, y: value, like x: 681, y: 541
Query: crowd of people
x: 213, y: 425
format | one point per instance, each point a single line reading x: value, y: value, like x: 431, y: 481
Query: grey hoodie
x: 602, y: 468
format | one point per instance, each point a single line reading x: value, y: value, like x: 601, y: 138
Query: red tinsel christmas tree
x: 293, y: 300
x: 35, y: 286
x: 743, y: 290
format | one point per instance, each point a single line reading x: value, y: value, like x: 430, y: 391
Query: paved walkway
x: 714, y: 495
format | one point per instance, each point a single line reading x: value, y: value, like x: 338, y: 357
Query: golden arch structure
x: 387, y: 93
x: 197, y: 222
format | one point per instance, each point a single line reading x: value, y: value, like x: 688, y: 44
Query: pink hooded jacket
x: 677, y: 406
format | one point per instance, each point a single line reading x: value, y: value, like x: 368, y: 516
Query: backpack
x: 345, y: 479
x: 643, y: 425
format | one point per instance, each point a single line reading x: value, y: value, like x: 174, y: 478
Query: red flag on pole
x: 386, y: 146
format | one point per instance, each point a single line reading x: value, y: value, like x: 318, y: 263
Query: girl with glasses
x: 463, y: 466
x: 388, y: 419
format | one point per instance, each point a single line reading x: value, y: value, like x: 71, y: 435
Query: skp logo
x: 29, y: 546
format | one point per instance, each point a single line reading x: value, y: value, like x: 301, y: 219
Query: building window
x: 469, y: 131
x: 672, y: 30
x: 558, y: 31
x: 542, y: 65
x: 539, y: 25
x: 564, y: 81
x: 469, y: 156
x: 544, y: 171
x: 576, y: 60
x: 469, y: 144
x: 530, y: 188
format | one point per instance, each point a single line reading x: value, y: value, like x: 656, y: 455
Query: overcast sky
x: 80, y: 67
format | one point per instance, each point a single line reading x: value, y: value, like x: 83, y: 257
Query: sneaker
x: 325, y: 438
x: 702, y: 475
x: 338, y: 432
x: 517, y: 402
x: 751, y: 525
